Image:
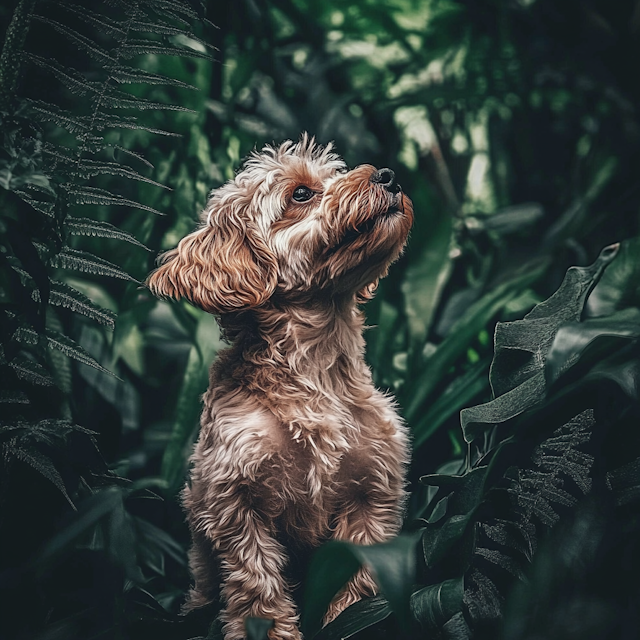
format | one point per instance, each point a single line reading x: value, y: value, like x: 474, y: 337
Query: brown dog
x: 295, y: 441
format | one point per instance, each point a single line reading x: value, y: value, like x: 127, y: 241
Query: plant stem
x: 11, y: 58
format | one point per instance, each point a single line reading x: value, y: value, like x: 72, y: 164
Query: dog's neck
x: 312, y: 336
x: 302, y: 336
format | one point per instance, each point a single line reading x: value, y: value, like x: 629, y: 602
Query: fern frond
x: 167, y: 30
x: 121, y: 100
x: 112, y: 121
x: 38, y: 461
x: 94, y: 195
x: 63, y: 295
x: 175, y: 9
x: 99, y: 20
x: 130, y: 75
x: 98, y: 229
x: 43, y: 111
x: 72, y: 80
x: 133, y: 154
x: 64, y: 344
x: 47, y: 208
x: 72, y: 349
x: 13, y: 397
x: 82, y: 42
x: 85, y: 168
x: 88, y: 263
x: 31, y: 371
x: 145, y: 47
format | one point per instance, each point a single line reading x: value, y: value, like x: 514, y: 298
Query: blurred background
x: 512, y: 124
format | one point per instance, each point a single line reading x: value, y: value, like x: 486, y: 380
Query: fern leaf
x: 129, y: 75
x: 64, y: 344
x: 85, y: 168
x: 31, y: 371
x: 103, y: 23
x: 93, y: 195
x: 47, y: 208
x: 47, y: 112
x: 121, y: 100
x: 72, y: 349
x: 38, y: 461
x: 168, y: 30
x: 71, y: 79
x: 98, y: 229
x: 144, y: 47
x: 62, y: 295
x: 133, y: 154
x: 175, y: 9
x: 107, y: 120
x: 82, y: 42
x: 13, y: 397
x: 88, y: 263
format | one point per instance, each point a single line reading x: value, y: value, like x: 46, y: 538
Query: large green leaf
x: 432, y: 606
x: 189, y: 406
x: 393, y: 565
x: 517, y: 371
x: 590, y: 341
x: 461, y: 335
x: 619, y: 286
x: 361, y: 615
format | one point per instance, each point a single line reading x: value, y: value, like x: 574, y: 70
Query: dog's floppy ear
x: 221, y: 267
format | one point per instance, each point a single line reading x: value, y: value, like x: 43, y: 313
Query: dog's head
x: 293, y: 220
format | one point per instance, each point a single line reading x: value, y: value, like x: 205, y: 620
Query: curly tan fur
x: 295, y: 439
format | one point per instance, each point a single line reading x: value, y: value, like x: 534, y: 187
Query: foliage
x: 512, y: 125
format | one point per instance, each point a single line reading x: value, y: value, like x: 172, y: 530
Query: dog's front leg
x: 251, y: 562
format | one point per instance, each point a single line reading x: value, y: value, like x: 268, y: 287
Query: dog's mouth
x: 368, y: 225
x: 395, y: 208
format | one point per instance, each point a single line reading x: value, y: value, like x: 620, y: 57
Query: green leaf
x: 86, y: 168
x: 590, y: 341
x: 257, y: 628
x: 465, y: 492
x: 146, y: 47
x: 435, y: 604
x: 38, y: 461
x: 89, y: 512
x: 82, y: 42
x: 619, y: 286
x: 392, y: 564
x: 189, y: 406
x: 99, y: 229
x: 63, y: 295
x: 424, y: 282
x: 93, y: 195
x: 62, y: 343
x: 130, y: 75
x: 74, y: 81
x: 361, y: 615
x: 31, y: 371
x: 463, y: 332
x: 517, y: 373
x: 457, y: 394
x: 332, y: 566
x: 88, y: 263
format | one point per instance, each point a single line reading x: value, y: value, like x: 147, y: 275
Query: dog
x: 296, y: 445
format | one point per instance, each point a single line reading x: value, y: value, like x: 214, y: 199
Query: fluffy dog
x: 296, y: 444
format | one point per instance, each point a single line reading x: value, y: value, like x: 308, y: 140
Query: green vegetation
x: 514, y: 128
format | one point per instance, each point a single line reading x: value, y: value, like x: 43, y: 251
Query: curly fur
x: 295, y: 440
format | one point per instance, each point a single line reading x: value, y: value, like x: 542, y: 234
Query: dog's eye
x: 302, y: 194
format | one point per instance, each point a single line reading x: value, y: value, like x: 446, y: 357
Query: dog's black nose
x: 386, y: 178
